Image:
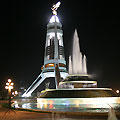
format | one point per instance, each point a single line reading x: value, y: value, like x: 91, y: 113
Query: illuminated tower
x: 54, y: 53
x: 54, y: 48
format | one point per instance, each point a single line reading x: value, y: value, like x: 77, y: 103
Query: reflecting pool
x: 67, y: 105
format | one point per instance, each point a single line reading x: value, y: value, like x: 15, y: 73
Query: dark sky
x: 23, y: 34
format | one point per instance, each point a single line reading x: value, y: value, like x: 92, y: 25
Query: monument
x: 76, y: 92
x: 54, y: 53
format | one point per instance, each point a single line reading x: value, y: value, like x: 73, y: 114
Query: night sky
x: 23, y: 35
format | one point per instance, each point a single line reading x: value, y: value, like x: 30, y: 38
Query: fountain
x: 78, y: 77
x: 77, y: 92
x: 70, y: 65
x: 84, y: 65
x: 77, y: 63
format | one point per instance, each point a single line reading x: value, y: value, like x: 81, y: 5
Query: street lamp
x: 15, y: 93
x: 9, y: 86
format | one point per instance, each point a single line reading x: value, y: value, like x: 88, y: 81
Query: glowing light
x: 16, y: 92
x: 40, y: 104
x: 53, y: 19
x: 15, y: 102
x: 102, y: 102
x: 117, y: 91
x: 26, y: 105
x: 45, y: 103
x: 9, y: 80
x: 6, y: 87
x: 10, y: 87
x: 52, y: 35
x: 16, y: 106
x: 12, y: 83
x: 50, y: 104
x: 49, y: 65
x: 7, y: 83
x: 52, y: 65
x: 77, y: 103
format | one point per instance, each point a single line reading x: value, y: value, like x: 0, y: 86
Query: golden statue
x: 55, y: 7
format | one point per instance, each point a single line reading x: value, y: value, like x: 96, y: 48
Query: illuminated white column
x: 70, y: 65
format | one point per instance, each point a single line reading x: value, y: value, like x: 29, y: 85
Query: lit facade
x: 54, y: 48
x: 54, y: 54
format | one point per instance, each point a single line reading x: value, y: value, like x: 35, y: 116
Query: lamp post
x: 9, y: 86
x: 15, y: 93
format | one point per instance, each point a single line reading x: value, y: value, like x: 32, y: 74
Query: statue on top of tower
x: 55, y: 7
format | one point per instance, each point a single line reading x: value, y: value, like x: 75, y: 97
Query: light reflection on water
x: 68, y: 104
x: 66, y: 107
x: 53, y: 107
